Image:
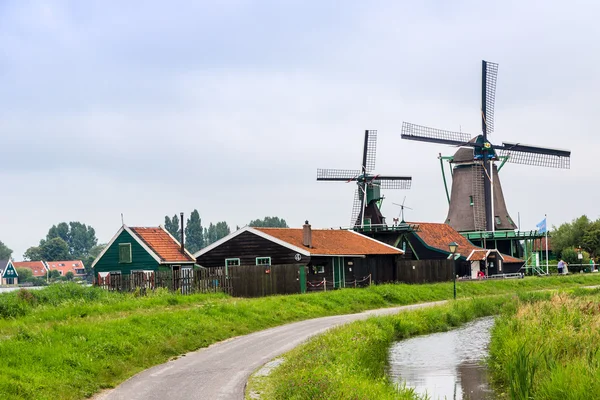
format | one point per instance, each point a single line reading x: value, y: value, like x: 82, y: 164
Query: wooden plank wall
x: 263, y: 280
x: 424, y: 270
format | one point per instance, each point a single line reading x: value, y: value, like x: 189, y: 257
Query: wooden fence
x: 421, y: 271
x: 265, y: 280
x: 185, y: 281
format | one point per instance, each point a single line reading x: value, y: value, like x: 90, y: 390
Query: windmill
x: 367, y: 198
x: 402, y: 207
x: 476, y: 201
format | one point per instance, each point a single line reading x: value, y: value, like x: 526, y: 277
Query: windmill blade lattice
x: 490, y: 76
x: 370, y: 151
x: 399, y: 182
x: 537, y: 156
x: 425, y: 134
x: 337, y: 174
x: 356, y: 208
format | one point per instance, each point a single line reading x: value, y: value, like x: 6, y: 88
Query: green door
x: 302, y: 275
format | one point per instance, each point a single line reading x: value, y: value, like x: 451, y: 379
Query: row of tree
x: 197, y: 237
x: 581, y: 233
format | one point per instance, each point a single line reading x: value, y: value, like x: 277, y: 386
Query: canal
x: 447, y: 365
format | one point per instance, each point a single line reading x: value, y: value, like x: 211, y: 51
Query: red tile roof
x: 438, y: 236
x: 163, y: 244
x: 37, y: 267
x: 332, y: 242
x: 67, y: 266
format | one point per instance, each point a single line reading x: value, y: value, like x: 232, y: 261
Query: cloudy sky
x: 149, y: 108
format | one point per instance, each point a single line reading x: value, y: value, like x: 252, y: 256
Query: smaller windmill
x: 402, y: 207
x: 367, y: 198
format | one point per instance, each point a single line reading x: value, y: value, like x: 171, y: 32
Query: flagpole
x: 546, y: 218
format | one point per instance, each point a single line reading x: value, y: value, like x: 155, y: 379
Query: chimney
x: 182, y: 242
x: 306, y: 234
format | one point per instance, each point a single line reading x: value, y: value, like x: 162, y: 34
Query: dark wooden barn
x: 339, y: 258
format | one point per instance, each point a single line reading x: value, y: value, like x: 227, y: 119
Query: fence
x: 265, y: 280
x: 185, y: 281
x: 420, y: 271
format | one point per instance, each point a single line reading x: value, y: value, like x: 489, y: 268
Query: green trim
x: 444, y: 178
x: 504, y: 160
x: 125, y: 253
x: 262, y: 258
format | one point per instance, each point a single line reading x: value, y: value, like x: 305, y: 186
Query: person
x: 592, y: 264
x: 560, y: 266
x: 480, y: 274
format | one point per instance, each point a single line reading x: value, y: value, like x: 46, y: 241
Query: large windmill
x: 367, y: 198
x: 477, y: 202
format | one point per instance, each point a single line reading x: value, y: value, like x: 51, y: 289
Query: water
x: 447, y: 365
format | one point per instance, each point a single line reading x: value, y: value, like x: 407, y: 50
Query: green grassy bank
x: 350, y: 362
x: 549, y: 350
x: 69, y: 342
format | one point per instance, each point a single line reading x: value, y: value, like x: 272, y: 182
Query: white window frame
x: 263, y: 258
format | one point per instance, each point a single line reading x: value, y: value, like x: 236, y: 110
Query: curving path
x: 221, y: 371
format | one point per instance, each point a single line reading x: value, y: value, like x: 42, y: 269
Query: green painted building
x: 8, y: 273
x: 136, y: 249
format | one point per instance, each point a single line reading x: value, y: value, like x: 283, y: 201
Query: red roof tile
x: 67, y: 266
x: 37, y: 267
x: 332, y: 241
x: 438, y: 236
x: 163, y: 244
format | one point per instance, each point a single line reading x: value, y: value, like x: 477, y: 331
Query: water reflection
x: 445, y: 365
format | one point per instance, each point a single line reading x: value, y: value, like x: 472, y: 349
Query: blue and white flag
x: 541, y: 227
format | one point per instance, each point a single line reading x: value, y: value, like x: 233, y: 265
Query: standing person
x: 592, y: 264
x: 560, y: 266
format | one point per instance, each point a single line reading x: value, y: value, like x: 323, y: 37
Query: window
x: 80, y: 271
x: 229, y: 262
x: 124, y: 253
x: 498, y: 220
x: 471, y: 201
x: 318, y: 269
x: 263, y: 260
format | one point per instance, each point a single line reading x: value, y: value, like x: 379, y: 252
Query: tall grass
x: 549, y: 350
x: 68, y: 341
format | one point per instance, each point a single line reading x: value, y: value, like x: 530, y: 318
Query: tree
x: 5, y: 252
x: 93, y: 254
x: 79, y: 238
x: 210, y: 234
x: 194, y: 234
x: 172, y: 225
x: 269, y: 222
x: 25, y: 275
x: 591, y: 238
x: 69, y: 275
x: 34, y: 253
x: 55, y: 249
x: 570, y: 234
x: 221, y: 230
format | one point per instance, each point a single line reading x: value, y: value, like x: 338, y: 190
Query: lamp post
x: 453, y: 246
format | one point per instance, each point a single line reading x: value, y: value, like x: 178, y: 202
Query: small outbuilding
x: 331, y: 255
x: 9, y: 274
x: 141, y: 249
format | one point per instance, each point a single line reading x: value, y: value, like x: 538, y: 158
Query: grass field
x: 549, y: 350
x: 69, y: 342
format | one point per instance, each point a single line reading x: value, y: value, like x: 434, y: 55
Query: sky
x: 149, y: 108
